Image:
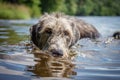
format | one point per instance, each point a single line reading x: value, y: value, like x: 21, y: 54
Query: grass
x: 10, y: 11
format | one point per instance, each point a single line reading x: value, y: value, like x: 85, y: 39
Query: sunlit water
x: 95, y: 60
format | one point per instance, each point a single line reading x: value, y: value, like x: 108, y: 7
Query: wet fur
x: 60, y: 32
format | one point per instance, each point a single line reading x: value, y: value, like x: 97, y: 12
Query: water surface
x: 95, y: 60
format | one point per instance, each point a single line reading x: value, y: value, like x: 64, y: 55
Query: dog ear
x: 38, y: 38
x: 33, y: 34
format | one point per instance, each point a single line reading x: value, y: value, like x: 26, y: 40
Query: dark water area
x: 95, y: 59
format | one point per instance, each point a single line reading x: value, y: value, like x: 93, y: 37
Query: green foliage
x: 8, y: 11
x: 52, y: 5
x: 98, y: 7
x: 110, y: 8
x: 34, y: 5
x: 71, y: 7
x: 33, y: 8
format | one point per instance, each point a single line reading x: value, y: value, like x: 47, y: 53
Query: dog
x: 57, y: 32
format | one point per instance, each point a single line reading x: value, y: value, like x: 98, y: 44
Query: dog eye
x: 48, y: 31
x: 66, y: 33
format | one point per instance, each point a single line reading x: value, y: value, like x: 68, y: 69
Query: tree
x: 34, y: 5
x: 71, y: 7
x: 52, y: 5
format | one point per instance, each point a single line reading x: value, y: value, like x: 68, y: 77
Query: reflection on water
x: 47, y: 66
x: 95, y: 60
x: 9, y: 36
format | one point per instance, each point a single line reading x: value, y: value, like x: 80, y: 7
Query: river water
x: 95, y: 60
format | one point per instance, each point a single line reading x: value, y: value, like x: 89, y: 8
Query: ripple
x: 4, y: 37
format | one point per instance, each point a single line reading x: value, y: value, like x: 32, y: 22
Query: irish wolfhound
x: 56, y: 33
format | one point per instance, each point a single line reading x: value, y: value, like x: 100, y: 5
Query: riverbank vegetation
x: 9, y: 11
x: 25, y: 9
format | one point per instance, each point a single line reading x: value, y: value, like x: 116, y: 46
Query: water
x: 95, y: 60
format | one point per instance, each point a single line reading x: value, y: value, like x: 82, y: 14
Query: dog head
x: 53, y: 33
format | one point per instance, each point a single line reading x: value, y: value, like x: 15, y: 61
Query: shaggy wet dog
x: 56, y: 33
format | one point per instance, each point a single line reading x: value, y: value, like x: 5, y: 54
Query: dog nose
x: 57, y: 52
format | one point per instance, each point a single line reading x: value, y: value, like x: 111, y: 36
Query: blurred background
x: 96, y: 60
x: 26, y: 9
